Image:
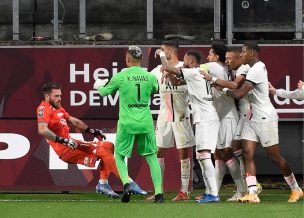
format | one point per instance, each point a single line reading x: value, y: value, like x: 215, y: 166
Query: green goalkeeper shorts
x: 124, y: 143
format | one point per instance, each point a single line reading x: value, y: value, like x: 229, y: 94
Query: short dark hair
x: 135, y: 52
x: 196, y: 54
x: 220, y: 50
x: 252, y: 45
x: 171, y: 43
x: 48, y: 87
x: 235, y: 49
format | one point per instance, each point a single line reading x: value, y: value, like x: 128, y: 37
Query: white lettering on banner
x: 287, y: 101
x: 85, y: 72
x: 94, y: 95
x: 112, y: 100
x: 99, y: 73
x: 79, y: 98
x: 82, y: 95
x: 18, y: 146
x: 55, y: 163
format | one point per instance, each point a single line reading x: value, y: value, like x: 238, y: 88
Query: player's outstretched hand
x: 97, y: 133
x: 100, y: 82
x: 68, y: 142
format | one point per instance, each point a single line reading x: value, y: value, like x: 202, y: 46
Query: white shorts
x: 264, y: 132
x: 182, y: 132
x: 206, y: 134
x: 226, y: 133
x: 239, y: 128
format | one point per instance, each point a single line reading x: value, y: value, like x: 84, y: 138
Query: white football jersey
x: 200, y: 94
x: 174, y: 100
x: 243, y: 103
x: 224, y: 104
x: 262, y: 108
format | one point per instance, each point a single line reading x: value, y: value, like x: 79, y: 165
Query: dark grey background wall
x: 124, y: 19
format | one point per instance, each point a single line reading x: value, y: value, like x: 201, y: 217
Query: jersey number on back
x: 138, y: 91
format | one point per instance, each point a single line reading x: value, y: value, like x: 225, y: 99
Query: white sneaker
x: 235, y: 196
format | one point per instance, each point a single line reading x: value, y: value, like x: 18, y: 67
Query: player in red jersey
x: 53, y: 125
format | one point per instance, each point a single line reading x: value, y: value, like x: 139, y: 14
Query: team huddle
x: 221, y: 128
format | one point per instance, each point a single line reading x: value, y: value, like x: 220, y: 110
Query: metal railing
x: 230, y: 29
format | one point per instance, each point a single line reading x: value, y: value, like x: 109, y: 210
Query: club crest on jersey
x: 40, y: 112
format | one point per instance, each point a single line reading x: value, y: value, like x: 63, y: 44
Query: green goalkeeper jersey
x: 135, y: 86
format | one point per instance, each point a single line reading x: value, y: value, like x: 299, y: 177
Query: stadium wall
x: 27, y: 163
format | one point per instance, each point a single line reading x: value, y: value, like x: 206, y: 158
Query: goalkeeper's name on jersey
x: 137, y: 78
x: 137, y: 105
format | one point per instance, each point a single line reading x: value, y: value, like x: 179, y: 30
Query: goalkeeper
x: 135, y: 124
x: 52, y: 125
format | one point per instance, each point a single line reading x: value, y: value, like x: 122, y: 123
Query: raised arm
x: 166, y: 66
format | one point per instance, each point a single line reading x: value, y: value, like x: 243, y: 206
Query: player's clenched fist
x: 100, y: 83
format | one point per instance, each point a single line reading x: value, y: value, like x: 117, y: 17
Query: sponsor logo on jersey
x: 137, y: 105
x: 40, y: 112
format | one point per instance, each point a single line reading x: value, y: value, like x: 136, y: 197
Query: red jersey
x: 57, y: 123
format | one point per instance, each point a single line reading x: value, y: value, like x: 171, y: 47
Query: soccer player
x: 173, y: 123
x: 229, y: 117
x: 135, y: 124
x: 53, y: 125
x: 238, y: 72
x: 205, y: 117
x: 296, y: 94
x: 262, y: 125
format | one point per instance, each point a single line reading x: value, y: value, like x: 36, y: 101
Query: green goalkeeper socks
x: 122, y: 168
x: 155, y: 172
x: 154, y: 169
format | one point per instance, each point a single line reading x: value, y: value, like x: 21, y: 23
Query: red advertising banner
x: 28, y: 163
x: 25, y: 70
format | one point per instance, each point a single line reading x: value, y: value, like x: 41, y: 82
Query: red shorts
x: 82, y: 155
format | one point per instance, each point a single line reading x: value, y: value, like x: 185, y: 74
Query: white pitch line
x: 49, y: 200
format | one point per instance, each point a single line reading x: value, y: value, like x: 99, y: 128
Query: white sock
x: 251, y: 183
x: 103, y: 181
x: 161, y: 162
x: 235, y: 172
x: 220, y: 170
x: 204, y: 178
x: 185, y: 174
x: 209, y: 171
x: 292, y: 182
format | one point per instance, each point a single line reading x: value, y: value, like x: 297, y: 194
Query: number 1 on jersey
x: 138, y: 91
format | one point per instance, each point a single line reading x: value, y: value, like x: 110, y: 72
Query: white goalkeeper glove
x: 100, y: 82
x: 68, y: 142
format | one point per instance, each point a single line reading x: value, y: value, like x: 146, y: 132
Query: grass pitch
x: 84, y: 205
